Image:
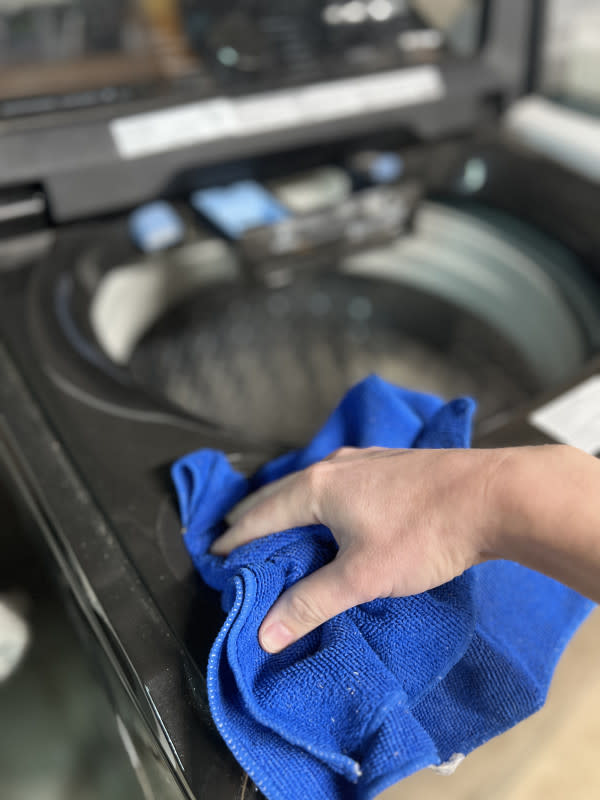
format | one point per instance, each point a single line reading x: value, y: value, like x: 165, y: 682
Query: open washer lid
x: 127, y: 139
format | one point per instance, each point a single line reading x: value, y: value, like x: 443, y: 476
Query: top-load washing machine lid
x: 120, y: 97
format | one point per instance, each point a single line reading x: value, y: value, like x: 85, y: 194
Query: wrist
x: 549, y: 514
x: 499, y: 501
x: 528, y: 489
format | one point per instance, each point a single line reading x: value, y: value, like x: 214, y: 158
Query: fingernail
x: 275, y: 637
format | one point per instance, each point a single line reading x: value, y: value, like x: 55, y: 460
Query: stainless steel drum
x: 471, y: 303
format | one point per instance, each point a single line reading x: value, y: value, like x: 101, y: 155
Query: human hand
x: 405, y: 521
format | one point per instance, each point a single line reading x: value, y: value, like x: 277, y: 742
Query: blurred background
x: 59, y: 738
x: 84, y: 44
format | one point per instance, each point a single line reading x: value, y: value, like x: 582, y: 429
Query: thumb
x: 308, y: 603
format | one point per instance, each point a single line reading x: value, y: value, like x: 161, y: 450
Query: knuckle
x: 305, y: 611
x: 315, y: 476
x: 317, y: 479
x: 360, y: 580
x: 341, y: 451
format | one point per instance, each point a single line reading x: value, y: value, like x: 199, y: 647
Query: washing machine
x: 410, y: 233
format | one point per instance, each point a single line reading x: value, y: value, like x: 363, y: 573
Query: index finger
x: 251, y: 500
x: 289, y: 503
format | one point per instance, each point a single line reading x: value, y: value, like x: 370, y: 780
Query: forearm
x: 549, y: 514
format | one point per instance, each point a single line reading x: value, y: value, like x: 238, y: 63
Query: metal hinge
x: 25, y: 230
x: 22, y: 209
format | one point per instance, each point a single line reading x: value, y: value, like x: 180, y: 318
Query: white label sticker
x: 401, y: 88
x: 330, y: 101
x: 195, y: 123
x: 573, y: 417
x: 273, y: 110
x: 181, y: 126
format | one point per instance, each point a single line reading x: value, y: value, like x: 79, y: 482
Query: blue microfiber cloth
x: 390, y: 686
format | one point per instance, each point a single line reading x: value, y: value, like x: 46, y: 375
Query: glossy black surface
x: 89, y: 456
x: 112, y: 535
